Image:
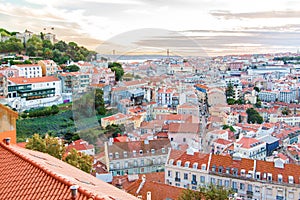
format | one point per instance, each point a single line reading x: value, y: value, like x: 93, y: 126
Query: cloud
x: 225, y: 14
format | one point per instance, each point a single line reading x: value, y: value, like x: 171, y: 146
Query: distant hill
x: 38, y: 47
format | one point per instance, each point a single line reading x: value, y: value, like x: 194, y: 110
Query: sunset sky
x: 192, y: 27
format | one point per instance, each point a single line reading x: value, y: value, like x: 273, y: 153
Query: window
x: 169, y: 173
x: 163, y: 150
x: 257, y: 175
x: 185, y: 176
x: 226, y: 184
x: 135, y: 163
x: 194, y: 177
x: 187, y: 164
x: 291, y: 195
x: 243, y: 172
x: 291, y: 179
x: 171, y: 161
x: 177, y: 175
x: 220, y: 182
x: 234, y: 185
x: 227, y: 170
x: 269, y: 177
x: 202, y: 179
x: 235, y: 171
x: 242, y: 186
x: 153, y: 151
x: 134, y: 152
x: 111, y: 166
x: 116, y: 155
x: 220, y: 170
x: 178, y: 163
x: 279, y: 178
x: 126, y: 164
x: 125, y: 154
x: 203, y: 167
x: 141, y: 152
x: 213, y: 181
x: 249, y: 187
x: 110, y: 155
x: 213, y: 168
x: 184, y: 139
x: 142, y: 162
x: 195, y: 165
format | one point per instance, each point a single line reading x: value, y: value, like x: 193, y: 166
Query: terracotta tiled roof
x: 27, y: 174
x: 33, y: 80
x: 158, y: 190
x: 184, y: 128
x: 247, y: 142
x: 79, y: 145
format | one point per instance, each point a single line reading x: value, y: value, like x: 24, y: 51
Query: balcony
x: 177, y: 179
x: 235, y: 190
x: 249, y: 193
x: 194, y: 182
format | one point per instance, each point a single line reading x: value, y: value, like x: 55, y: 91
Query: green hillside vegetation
x: 38, y: 47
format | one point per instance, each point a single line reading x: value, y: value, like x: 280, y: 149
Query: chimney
x: 7, y: 140
x: 148, y: 195
x: 74, y: 190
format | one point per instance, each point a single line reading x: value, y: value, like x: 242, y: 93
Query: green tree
x: 36, y: 143
x: 47, y: 44
x: 210, y: 192
x: 50, y: 145
x: 99, y: 102
x: 286, y: 111
x: 229, y: 92
x: 253, y: 116
x: 117, y: 68
x: 72, y: 68
x: 34, y: 46
x: 47, y: 53
x: 79, y: 160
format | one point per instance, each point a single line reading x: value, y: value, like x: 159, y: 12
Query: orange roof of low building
x: 27, y: 174
x: 33, y: 80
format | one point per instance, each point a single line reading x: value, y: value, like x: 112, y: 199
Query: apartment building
x: 49, y: 67
x: 136, y: 157
x: 74, y: 82
x: 3, y: 85
x: 251, y: 148
x: 28, y: 70
x: 34, y: 92
x: 249, y: 179
x: 268, y: 96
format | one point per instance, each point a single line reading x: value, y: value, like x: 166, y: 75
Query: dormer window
x: 125, y: 154
x: 141, y: 152
x: 243, y: 172
x: 117, y: 155
x: 187, y: 164
x: 203, y: 167
x: 269, y: 177
x: 171, y: 161
x: 178, y: 163
x: 213, y: 169
x: 195, y: 165
x: 110, y: 155
x: 227, y: 170
x: 234, y: 171
x: 163, y: 150
x: 220, y: 170
x: 279, y: 178
x: 291, y: 179
x: 153, y: 151
x: 134, y: 152
x: 257, y: 175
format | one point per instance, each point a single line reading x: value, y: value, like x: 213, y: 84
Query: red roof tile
x: 27, y: 174
x: 33, y: 80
